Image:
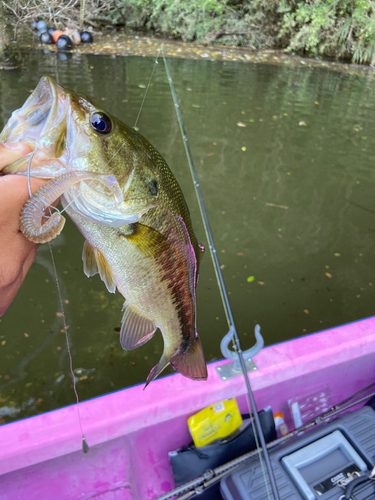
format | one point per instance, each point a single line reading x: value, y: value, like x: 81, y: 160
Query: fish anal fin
x: 191, y: 364
x: 90, y: 267
x: 135, y: 330
x: 147, y: 240
x: 105, y: 271
x: 156, y: 371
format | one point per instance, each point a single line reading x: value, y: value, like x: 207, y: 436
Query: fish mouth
x: 36, y: 115
x: 40, y: 122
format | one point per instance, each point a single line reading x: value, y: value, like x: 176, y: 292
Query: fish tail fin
x: 191, y: 364
x: 156, y: 371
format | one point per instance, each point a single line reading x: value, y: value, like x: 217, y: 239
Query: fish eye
x: 101, y: 123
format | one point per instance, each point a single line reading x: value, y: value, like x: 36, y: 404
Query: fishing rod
x: 201, y: 483
x: 223, y: 291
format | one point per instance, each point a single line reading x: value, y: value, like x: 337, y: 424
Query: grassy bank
x: 338, y: 29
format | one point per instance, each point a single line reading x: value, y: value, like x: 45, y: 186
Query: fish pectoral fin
x: 136, y: 330
x: 90, y: 267
x: 191, y: 364
x: 147, y: 240
x: 156, y: 371
x: 94, y: 262
x: 105, y: 271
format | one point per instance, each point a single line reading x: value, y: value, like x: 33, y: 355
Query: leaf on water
x: 211, y: 154
x: 337, y: 254
x: 306, y: 311
x: 26, y: 335
x: 141, y: 86
x: 3, y: 342
x: 243, y: 148
x: 275, y: 117
x: 285, y: 114
x: 240, y: 254
x: 251, y: 120
x: 329, y: 275
x: 260, y: 282
x: 250, y: 279
x: 214, y: 143
x: 195, y: 106
x: 327, y: 267
x: 59, y: 314
x: 276, y: 205
x: 302, y: 124
x: 223, y: 266
x: 240, y: 124
x: 316, y: 102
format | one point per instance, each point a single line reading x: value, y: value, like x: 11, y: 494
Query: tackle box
x: 310, y: 466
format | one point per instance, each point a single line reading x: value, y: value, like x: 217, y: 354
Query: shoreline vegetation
x: 335, y: 30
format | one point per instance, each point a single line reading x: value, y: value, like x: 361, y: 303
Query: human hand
x: 16, y: 252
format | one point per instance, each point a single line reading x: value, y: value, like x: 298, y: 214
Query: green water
x: 290, y: 198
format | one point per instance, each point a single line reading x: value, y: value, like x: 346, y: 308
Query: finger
x: 12, y: 151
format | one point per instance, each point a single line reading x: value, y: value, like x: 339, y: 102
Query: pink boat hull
x: 130, y: 432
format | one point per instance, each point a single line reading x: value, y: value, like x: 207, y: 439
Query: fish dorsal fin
x: 191, y: 364
x: 90, y: 267
x: 147, y: 240
x: 94, y: 262
x: 156, y: 371
x: 135, y: 329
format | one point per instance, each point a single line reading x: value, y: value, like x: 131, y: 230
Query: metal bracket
x: 233, y: 369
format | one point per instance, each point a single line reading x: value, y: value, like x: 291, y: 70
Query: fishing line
x: 148, y: 85
x: 85, y: 446
x: 222, y: 288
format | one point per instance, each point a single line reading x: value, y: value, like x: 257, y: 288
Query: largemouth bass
x: 122, y: 196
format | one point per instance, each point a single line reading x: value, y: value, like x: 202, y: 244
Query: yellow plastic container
x: 215, y: 422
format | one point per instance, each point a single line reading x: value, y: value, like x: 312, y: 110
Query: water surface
x: 285, y: 159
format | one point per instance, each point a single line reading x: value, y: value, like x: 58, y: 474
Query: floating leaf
x: 329, y: 275
x: 251, y: 120
x: 337, y: 254
x: 250, y: 279
x: 306, y: 311
x: 302, y: 124
x: 316, y: 102
x: 327, y: 267
x: 243, y: 148
x: 141, y: 86
x: 260, y: 282
x: 240, y: 124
